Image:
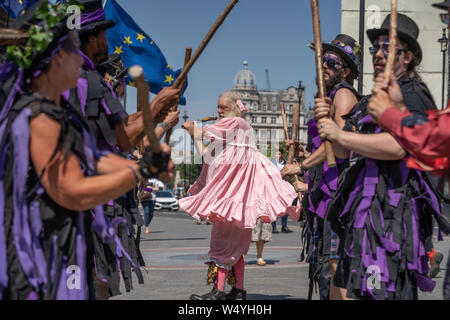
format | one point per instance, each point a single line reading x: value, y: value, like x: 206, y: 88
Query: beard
x: 101, y: 55
x: 335, y: 79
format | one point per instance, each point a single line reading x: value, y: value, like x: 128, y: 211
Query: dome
x: 245, y: 79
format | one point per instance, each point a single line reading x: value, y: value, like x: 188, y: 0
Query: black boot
x: 215, y: 294
x: 236, y: 294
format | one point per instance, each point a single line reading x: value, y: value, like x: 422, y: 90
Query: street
x: 176, y: 248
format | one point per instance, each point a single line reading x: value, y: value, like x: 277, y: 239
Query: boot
x: 435, y: 262
x: 236, y: 294
x: 215, y: 294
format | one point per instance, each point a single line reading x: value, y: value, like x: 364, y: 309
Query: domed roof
x: 245, y: 79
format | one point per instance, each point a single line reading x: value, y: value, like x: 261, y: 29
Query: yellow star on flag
x: 140, y: 37
x: 169, y: 79
x: 118, y: 50
x: 151, y: 42
x: 21, y: 2
x: 169, y: 66
x: 127, y: 40
x: 132, y: 84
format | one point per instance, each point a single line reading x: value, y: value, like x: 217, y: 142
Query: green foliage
x: 40, y: 36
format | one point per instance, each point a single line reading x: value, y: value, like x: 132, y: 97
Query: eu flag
x: 15, y: 8
x: 137, y: 48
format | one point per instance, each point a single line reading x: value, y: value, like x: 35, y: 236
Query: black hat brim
x: 105, y: 24
x: 351, y: 64
x: 442, y: 5
x: 413, y: 45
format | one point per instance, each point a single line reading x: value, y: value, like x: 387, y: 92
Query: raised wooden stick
x: 392, y: 40
x: 205, y: 42
x: 187, y: 57
x: 291, y: 153
x: 319, y: 71
x: 137, y: 73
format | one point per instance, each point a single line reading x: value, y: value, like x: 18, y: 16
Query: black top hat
x: 348, y: 49
x: 408, y: 31
x: 90, y: 7
x: 442, y: 5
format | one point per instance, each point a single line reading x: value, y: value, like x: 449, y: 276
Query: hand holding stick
x: 187, y: 57
x: 318, y: 47
x: 137, y: 73
x: 291, y: 154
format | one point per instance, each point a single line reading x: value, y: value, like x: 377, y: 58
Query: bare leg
x: 259, y: 252
x: 335, y: 292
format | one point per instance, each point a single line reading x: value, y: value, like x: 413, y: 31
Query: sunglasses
x: 384, y: 49
x: 332, y: 62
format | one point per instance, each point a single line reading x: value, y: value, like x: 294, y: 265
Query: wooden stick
x: 137, y: 73
x: 187, y: 57
x: 392, y: 40
x: 319, y: 71
x: 205, y: 42
x: 291, y: 153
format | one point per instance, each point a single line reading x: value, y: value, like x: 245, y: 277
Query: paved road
x: 176, y: 248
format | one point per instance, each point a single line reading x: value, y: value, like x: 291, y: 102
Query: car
x: 166, y: 201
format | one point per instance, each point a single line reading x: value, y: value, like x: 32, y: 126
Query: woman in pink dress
x: 237, y: 186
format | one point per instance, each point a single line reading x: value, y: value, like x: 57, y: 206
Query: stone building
x: 265, y: 111
x: 431, y: 29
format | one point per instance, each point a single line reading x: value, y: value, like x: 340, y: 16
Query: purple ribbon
x: 95, y: 16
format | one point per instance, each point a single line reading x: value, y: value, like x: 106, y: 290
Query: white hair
x: 234, y: 97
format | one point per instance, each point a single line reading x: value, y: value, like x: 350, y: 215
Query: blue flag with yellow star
x: 15, y: 8
x: 137, y: 48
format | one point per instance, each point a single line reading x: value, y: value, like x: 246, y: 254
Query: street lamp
x: 185, y: 117
x: 444, y: 47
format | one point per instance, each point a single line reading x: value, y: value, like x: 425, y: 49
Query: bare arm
x: 63, y: 179
x: 111, y: 163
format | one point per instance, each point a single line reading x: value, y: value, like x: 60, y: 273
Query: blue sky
x: 269, y: 34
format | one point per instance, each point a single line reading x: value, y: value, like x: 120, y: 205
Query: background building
x: 431, y: 29
x: 265, y: 111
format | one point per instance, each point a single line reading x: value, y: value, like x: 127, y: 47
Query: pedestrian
x: 116, y: 132
x: 425, y: 138
x: 51, y: 174
x: 341, y: 61
x: 261, y: 234
x: 147, y: 197
x: 237, y: 186
x: 383, y: 210
x: 280, y: 163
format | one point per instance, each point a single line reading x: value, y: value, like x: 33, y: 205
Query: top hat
x: 93, y: 16
x: 442, y: 5
x: 408, y: 31
x: 348, y: 49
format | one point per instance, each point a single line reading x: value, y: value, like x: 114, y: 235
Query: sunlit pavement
x: 176, y: 248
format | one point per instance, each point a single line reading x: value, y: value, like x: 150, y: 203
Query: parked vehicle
x: 165, y: 200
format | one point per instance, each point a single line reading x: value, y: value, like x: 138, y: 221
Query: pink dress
x: 237, y: 185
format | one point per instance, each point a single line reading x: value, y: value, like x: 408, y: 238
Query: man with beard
x: 425, y: 138
x: 115, y: 132
x: 382, y: 210
x: 341, y: 60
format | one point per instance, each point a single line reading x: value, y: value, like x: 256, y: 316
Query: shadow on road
x: 173, y: 239
x: 268, y: 261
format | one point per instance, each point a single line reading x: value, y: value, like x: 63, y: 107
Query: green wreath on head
x: 39, y: 36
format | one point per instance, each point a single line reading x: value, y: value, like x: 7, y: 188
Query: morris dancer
x: 51, y: 173
x: 115, y: 131
x: 237, y: 186
x: 382, y: 210
x: 425, y: 138
x: 341, y: 60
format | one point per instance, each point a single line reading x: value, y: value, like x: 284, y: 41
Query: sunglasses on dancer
x: 332, y: 62
x: 384, y: 49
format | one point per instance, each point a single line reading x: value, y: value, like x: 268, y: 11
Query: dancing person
x: 280, y: 163
x: 51, y: 173
x: 237, y: 186
x: 382, y: 209
x: 115, y: 131
x: 341, y: 61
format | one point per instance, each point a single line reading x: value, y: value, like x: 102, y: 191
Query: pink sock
x: 221, y: 278
x: 239, y: 272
